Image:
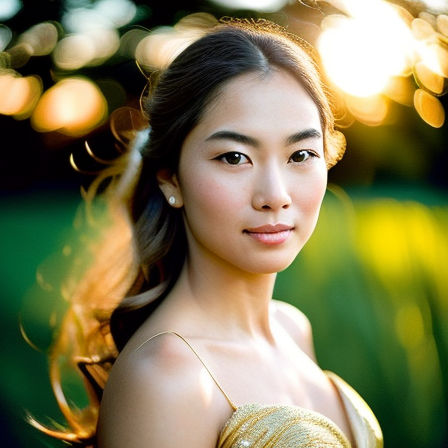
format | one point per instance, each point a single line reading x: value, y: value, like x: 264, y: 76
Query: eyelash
x: 308, y: 152
x: 224, y: 157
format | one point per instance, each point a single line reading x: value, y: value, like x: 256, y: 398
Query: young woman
x: 218, y: 195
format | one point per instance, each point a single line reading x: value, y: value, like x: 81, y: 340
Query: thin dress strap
x: 232, y: 405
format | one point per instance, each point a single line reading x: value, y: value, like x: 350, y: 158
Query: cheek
x: 209, y: 197
x: 311, y: 192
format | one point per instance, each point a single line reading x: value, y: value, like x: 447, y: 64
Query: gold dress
x: 255, y: 425
x: 265, y: 426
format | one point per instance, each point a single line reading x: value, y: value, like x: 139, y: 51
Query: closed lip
x: 270, y: 228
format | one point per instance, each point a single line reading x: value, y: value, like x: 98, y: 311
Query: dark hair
x: 142, y: 255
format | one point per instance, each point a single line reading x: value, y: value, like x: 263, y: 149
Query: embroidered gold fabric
x: 254, y: 425
x: 261, y: 426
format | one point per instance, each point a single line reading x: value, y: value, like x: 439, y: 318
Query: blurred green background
x: 373, y: 279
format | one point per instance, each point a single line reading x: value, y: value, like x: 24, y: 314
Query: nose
x: 271, y: 192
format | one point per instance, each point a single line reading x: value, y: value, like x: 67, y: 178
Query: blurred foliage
x: 373, y: 281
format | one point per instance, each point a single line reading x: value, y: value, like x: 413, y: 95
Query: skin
x: 255, y: 158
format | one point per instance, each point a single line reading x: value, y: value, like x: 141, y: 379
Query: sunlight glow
x: 374, y: 51
x: 371, y: 110
x: 361, y: 52
x: 442, y: 24
x: 401, y: 90
x: 435, y: 57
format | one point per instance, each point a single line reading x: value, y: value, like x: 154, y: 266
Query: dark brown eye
x: 300, y: 156
x: 233, y: 158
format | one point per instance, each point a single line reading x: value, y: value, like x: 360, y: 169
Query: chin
x: 269, y: 266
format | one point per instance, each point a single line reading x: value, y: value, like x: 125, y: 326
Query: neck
x: 224, y: 300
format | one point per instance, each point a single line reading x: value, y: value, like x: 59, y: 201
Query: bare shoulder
x: 296, y: 324
x: 159, y: 395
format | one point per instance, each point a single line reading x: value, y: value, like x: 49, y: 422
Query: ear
x: 169, y: 185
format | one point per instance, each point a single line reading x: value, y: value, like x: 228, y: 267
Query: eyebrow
x: 250, y: 141
x: 303, y: 135
x: 233, y: 136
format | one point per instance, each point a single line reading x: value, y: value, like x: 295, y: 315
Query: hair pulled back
x: 141, y: 257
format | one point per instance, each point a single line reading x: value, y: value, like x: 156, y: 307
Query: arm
x: 158, y: 396
x: 297, y: 325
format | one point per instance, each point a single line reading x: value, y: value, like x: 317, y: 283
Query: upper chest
x: 251, y: 373
x: 286, y: 377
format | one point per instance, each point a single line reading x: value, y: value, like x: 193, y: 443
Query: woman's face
x: 252, y: 174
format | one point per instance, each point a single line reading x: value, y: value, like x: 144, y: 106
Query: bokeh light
x: 42, y: 38
x: 401, y: 90
x: 436, y: 5
x: 73, y: 106
x: 429, y: 108
x: 19, y: 54
x: 371, y: 110
x: 9, y: 8
x: 429, y: 80
x: 374, y: 52
x: 163, y: 44
x: 74, y: 52
x: 257, y: 5
x: 5, y: 36
x: 106, y: 43
x: 101, y: 14
x: 19, y: 95
x: 129, y: 42
x: 92, y: 47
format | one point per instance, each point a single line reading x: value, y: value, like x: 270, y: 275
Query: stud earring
x: 171, y: 200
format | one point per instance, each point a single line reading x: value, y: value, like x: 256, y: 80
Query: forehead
x: 272, y: 104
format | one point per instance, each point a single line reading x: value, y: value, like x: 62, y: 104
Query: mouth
x: 270, y: 234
